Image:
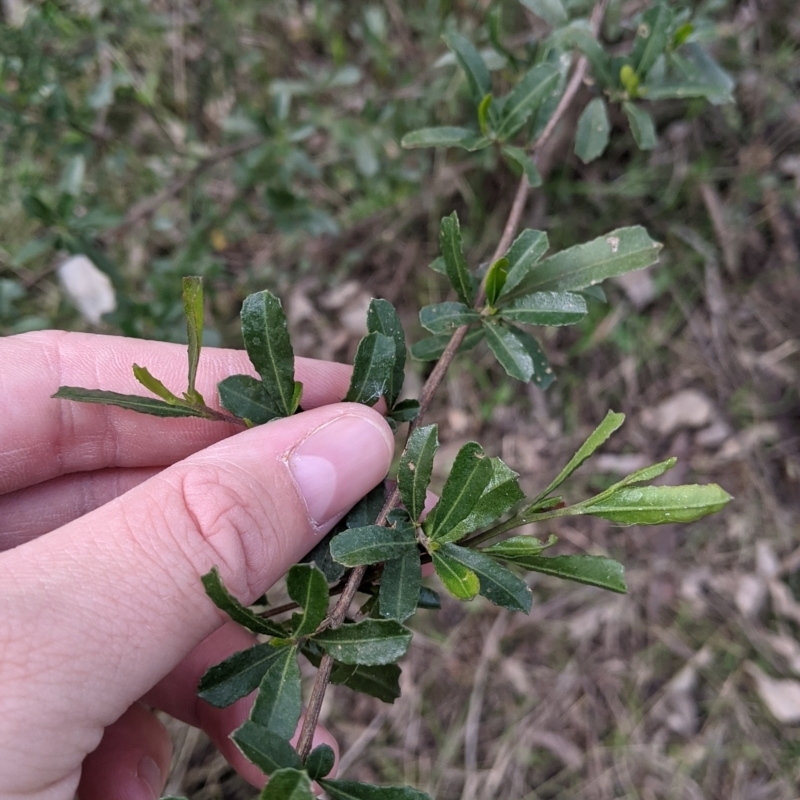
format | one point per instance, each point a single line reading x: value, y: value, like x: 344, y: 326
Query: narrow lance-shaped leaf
x: 266, y: 339
x: 693, y: 73
x: 320, y: 761
x: 373, y: 641
x: 644, y: 475
x: 497, y: 584
x: 268, y: 751
x: 641, y: 123
x: 351, y: 790
x: 288, y: 784
x: 373, y: 368
x: 416, y: 466
x: 551, y: 11
x: 483, y: 114
x: 225, y: 601
x: 599, y: 436
x: 308, y: 588
x: 383, y: 318
x: 131, y: 402
x: 381, y: 681
x: 372, y: 544
x: 469, y: 476
x: 592, y: 570
x: 193, y: 309
x: 592, y: 134
x: 620, y: 251
x: 236, y: 676
x: 458, y: 579
x: 398, y: 594
x: 247, y: 398
x: 279, y: 700
x: 542, y: 372
x: 518, y: 547
x: 525, y: 162
x: 546, y: 308
x: 445, y: 136
x: 405, y: 411
x: 509, y: 350
x: 651, y: 39
x: 525, y: 98
x: 142, y: 374
x: 654, y: 505
x: 446, y: 317
x: 454, y: 261
x: 578, y: 34
x: 525, y: 251
x: 496, y: 280
x: 501, y: 494
x: 475, y: 69
x: 366, y: 510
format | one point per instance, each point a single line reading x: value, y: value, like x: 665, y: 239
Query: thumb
x: 97, y: 612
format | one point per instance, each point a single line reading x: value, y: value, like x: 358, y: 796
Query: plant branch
x: 337, y: 616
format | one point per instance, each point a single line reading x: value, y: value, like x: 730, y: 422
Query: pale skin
x: 108, y: 519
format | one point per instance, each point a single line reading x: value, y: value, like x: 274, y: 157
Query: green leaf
x: 497, y: 584
x: 644, y: 475
x: 246, y: 397
x: 469, y: 476
x: 366, y: 510
x: 501, y: 494
x: 428, y: 598
x: 193, y: 309
x: 629, y: 80
x: 307, y: 586
x: 373, y: 641
x: 525, y: 162
x: 445, y: 136
x: 373, y: 369
x: 475, y: 69
x: 405, y: 411
x: 265, y: 749
x: 372, y: 544
x: 237, y: 675
x: 509, y: 350
x: 321, y: 556
x: 431, y: 349
x: 651, y: 39
x: 483, y: 114
x: 383, y: 318
x: 459, y: 580
x: 620, y: 251
x: 496, y: 280
x: 132, y: 402
x: 446, y: 317
x: 546, y: 308
x: 655, y: 505
x: 225, y: 601
x: 518, y: 547
x: 592, y: 134
x: 578, y: 34
x: 320, y: 761
x: 350, y: 790
x: 437, y: 265
x: 381, y: 681
x: 142, y: 374
x: 551, y: 11
x: 400, y: 584
x: 612, y: 422
x: 526, y: 250
x: 416, y: 466
x: 533, y: 89
x: 266, y: 339
x: 641, y: 124
x: 288, y: 784
x: 454, y: 261
x: 32, y: 249
x: 279, y: 700
x: 592, y: 570
x: 693, y: 73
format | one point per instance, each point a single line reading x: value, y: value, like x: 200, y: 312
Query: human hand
x: 107, y: 521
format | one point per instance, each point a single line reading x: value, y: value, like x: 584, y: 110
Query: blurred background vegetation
x: 257, y: 144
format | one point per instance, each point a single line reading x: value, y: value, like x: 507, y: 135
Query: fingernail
x: 338, y: 464
x: 150, y: 775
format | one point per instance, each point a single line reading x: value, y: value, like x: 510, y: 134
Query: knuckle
x: 230, y: 523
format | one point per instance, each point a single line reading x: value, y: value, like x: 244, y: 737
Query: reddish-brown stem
x: 337, y: 616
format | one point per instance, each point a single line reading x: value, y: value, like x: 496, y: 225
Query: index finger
x: 42, y: 438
